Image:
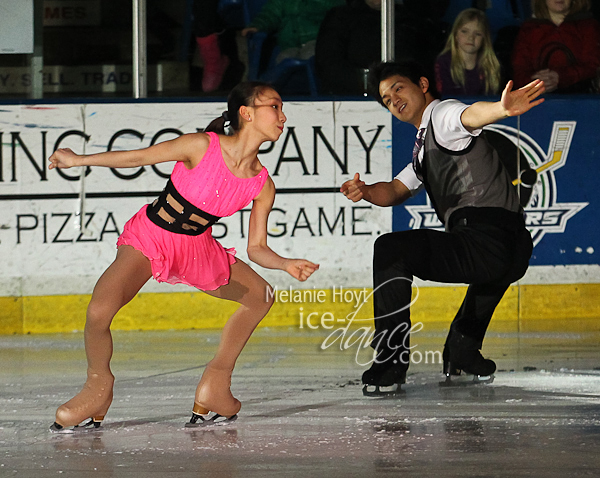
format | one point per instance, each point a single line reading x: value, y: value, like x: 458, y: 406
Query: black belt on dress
x: 172, y: 212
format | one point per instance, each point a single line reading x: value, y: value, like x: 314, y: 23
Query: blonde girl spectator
x: 468, y: 65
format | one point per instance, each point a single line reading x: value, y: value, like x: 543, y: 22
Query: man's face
x: 405, y: 100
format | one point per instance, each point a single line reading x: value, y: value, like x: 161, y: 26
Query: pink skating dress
x: 198, y: 261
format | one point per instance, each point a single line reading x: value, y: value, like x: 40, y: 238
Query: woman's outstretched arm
x: 259, y: 251
x: 188, y: 148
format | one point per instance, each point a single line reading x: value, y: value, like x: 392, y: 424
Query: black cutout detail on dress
x: 182, y: 222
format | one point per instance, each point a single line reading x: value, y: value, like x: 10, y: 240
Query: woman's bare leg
x: 115, y: 288
x: 250, y: 290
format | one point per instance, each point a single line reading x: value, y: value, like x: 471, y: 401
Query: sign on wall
x: 58, y: 228
x: 72, y: 13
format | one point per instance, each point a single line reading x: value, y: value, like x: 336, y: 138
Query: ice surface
x: 303, y: 413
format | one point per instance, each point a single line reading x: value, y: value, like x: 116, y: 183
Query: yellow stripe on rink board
x: 526, y: 308
x: 11, y: 315
x: 560, y: 308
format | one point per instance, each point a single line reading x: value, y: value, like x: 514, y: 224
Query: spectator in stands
x: 295, y: 22
x: 349, y: 42
x: 221, y: 65
x: 468, y: 65
x: 561, y: 46
x: 207, y: 26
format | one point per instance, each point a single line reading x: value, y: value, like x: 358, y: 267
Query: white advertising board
x: 58, y: 228
x: 16, y: 26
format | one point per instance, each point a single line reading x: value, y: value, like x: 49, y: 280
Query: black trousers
x: 487, y: 248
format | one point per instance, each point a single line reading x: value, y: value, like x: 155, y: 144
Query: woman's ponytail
x: 219, y: 124
x: 243, y: 94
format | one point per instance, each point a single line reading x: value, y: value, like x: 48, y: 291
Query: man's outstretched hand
x: 517, y: 102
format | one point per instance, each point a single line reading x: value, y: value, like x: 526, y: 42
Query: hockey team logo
x: 532, y: 171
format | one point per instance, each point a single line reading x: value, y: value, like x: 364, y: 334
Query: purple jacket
x: 474, y: 80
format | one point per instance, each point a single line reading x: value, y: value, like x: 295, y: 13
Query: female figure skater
x: 170, y: 240
x: 468, y: 65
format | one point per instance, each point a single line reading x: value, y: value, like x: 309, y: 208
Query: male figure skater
x: 485, y: 243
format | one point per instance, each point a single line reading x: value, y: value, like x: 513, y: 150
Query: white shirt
x: 450, y: 133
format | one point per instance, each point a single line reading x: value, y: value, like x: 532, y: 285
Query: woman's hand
x: 64, y: 158
x: 549, y: 77
x: 300, y: 269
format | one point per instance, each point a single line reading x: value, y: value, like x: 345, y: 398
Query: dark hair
x: 410, y: 69
x: 243, y: 94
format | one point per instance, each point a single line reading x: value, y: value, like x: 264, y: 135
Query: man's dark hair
x: 410, y: 69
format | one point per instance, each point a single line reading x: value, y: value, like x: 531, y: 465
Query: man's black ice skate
x: 461, y: 354
x: 384, y: 380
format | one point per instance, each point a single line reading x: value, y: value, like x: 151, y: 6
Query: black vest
x: 474, y: 177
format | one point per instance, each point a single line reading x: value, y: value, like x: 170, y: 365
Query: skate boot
x: 92, y: 402
x: 213, y: 394
x: 384, y: 379
x: 461, y: 354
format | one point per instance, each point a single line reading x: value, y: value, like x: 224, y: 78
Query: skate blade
x: 381, y: 391
x: 466, y: 380
x: 198, y: 421
x: 91, y: 425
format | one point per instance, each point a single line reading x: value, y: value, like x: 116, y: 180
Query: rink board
x: 58, y: 229
x: 524, y: 308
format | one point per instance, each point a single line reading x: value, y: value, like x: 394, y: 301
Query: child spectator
x: 468, y: 65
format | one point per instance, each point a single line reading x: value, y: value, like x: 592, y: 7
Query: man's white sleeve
x: 450, y: 133
x: 408, y: 177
